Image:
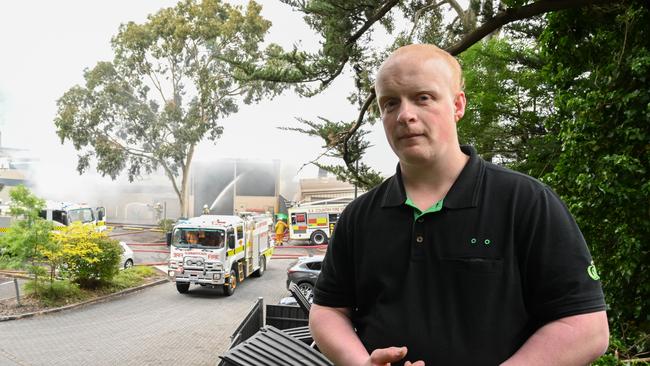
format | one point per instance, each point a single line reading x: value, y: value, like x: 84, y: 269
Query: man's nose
x: 406, y: 112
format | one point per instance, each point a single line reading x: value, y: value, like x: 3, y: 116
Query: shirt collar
x: 463, y: 193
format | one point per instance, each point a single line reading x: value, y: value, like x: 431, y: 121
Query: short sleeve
x: 335, y: 284
x: 559, y: 275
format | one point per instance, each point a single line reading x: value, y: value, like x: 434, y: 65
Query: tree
x: 509, y: 103
x: 348, y: 29
x: 593, y: 137
x: 165, y: 91
x: 599, y: 62
x: 28, y: 238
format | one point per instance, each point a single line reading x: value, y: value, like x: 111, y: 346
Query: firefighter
x: 280, y: 227
x: 206, y: 210
x: 192, y: 237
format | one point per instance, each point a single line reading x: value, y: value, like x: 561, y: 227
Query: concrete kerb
x: 83, y: 303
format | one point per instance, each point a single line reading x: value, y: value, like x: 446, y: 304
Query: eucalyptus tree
x: 165, y: 90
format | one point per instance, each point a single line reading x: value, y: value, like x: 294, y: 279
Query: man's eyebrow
x: 383, y: 98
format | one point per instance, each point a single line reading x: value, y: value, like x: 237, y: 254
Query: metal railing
x: 252, y: 323
x: 16, y: 287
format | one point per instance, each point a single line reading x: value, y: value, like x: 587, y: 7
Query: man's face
x: 420, y: 105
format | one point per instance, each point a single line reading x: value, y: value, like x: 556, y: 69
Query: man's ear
x: 459, y: 106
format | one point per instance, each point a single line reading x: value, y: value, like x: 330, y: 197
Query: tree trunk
x: 183, y: 195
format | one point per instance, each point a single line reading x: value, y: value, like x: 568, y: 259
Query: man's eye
x: 424, y: 97
x: 390, y: 104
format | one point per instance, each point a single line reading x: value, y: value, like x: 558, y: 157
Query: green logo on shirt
x: 593, y: 273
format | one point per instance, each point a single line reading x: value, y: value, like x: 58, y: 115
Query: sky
x: 46, y: 45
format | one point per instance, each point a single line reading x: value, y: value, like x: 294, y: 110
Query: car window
x: 316, y: 266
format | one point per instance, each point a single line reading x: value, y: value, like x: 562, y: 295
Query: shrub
x: 9, y: 262
x: 166, y: 225
x: 89, y: 258
x: 55, y: 293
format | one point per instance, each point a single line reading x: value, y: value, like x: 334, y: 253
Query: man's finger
x: 383, y: 356
x: 417, y: 363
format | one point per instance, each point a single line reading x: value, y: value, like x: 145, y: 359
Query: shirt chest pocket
x: 474, y: 265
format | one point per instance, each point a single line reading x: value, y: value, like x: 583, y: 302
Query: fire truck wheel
x: 262, y: 268
x: 317, y: 238
x: 182, y: 287
x: 229, y: 288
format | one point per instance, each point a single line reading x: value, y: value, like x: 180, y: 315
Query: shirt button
x: 420, y: 220
x: 419, y: 239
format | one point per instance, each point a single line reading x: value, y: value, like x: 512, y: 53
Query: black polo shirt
x: 465, y: 285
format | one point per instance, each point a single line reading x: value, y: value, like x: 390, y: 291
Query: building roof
x: 209, y: 221
x: 324, y: 184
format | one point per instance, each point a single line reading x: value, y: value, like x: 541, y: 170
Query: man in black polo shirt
x: 453, y: 260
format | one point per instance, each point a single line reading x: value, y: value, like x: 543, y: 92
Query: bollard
x: 17, y: 291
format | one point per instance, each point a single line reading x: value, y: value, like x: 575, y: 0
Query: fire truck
x: 219, y: 250
x: 314, y: 221
x: 65, y: 213
x: 62, y: 214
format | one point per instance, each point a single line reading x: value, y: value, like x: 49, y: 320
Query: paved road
x: 156, y: 326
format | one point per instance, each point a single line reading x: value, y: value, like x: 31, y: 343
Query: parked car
x: 304, y: 273
x: 127, y: 256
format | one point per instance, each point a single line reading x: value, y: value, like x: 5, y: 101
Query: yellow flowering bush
x: 88, y: 258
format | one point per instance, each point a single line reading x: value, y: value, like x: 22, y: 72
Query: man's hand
x: 384, y: 356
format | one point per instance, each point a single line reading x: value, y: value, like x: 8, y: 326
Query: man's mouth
x: 410, y: 135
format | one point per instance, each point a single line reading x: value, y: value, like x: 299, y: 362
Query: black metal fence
x: 273, y: 347
x: 285, y: 316
x: 284, y: 340
x: 253, y: 321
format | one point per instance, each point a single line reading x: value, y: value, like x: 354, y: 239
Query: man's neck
x: 427, y: 184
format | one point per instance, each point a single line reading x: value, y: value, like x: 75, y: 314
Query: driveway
x: 155, y: 326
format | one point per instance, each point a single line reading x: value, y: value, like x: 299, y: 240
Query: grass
x: 57, y: 293
x: 132, y: 277
x: 65, y: 292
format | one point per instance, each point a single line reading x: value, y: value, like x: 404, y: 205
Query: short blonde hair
x: 428, y: 51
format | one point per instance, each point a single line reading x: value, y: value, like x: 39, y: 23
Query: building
x: 323, y: 188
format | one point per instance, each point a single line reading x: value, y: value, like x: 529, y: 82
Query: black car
x: 304, y: 273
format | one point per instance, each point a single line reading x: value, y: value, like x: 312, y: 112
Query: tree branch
x: 313, y: 161
x: 346, y: 139
x: 129, y: 150
x: 174, y: 81
x: 354, y: 37
x: 171, y: 177
x: 141, y: 153
x: 459, y: 10
x: 155, y: 82
x: 359, y: 120
x: 418, y: 14
x: 499, y: 20
x: 376, y: 17
x: 514, y: 14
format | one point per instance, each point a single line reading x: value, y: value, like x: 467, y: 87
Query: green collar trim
x: 418, y: 213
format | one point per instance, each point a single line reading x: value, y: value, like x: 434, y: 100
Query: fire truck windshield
x: 198, y: 238
x: 83, y: 214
